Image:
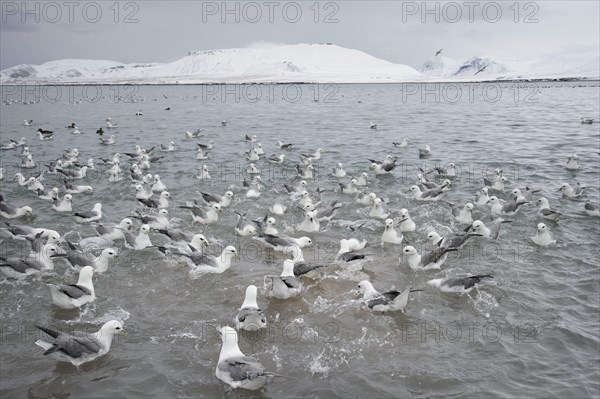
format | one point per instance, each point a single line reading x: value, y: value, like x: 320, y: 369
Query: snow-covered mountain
x: 586, y: 65
x: 319, y: 63
x: 285, y: 63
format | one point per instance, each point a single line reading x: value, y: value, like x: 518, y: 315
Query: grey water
x: 532, y: 331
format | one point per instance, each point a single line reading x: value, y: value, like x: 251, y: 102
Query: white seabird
x: 492, y: 232
x: 89, y: 216
x: 349, y: 188
x: 160, y: 203
x: 285, y: 243
x: 389, y: 301
x: 571, y: 192
x: 223, y: 200
x: 114, y: 232
x: 203, y: 173
x: 72, y: 188
x: 379, y: 209
x: 429, y: 260
x: 464, y: 215
x: 433, y: 194
x: 339, y: 172
x: 277, y: 208
x: 461, y: 285
x: 208, y: 215
x: 362, y: 180
x: 11, y: 212
x: 79, y: 347
x: 21, y: 267
x: 545, y: 211
x: 310, y: 224
x: 509, y: 208
x: 452, y: 240
x: 79, y: 259
x: 542, y: 236
x: 286, y: 285
x: 250, y: 317
x: 497, y: 184
x: 75, y: 295
x: 591, y: 209
x: 158, y: 185
x: 482, y: 196
x: 390, y: 235
x: 64, y: 205
x: 406, y: 223
x: 244, y: 227
x: 139, y: 241
x: 204, y: 263
x: 402, y: 144
x: 572, y: 162
x: 236, y: 369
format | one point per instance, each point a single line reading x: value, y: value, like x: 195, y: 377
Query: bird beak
x: 124, y: 333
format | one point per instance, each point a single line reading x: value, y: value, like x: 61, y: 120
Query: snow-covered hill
x: 585, y: 65
x: 319, y: 63
x: 285, y: 63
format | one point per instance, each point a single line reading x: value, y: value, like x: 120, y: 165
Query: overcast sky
x: 163, y: 31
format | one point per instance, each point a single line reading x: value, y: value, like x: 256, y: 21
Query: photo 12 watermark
x: 253, y: 12
x: 70, y: 11
x: 470, y: 92
x: 470, y: 11
x: 69, y: 94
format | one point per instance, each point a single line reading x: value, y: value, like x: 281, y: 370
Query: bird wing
x: 242, y: 368
x: 74, y: 291
x: 301, y: 268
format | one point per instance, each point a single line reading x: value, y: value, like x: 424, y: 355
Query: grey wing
x: 243, y: 222
x: 325, y: 213
x: 455, y: 210
x: 456, y: 241
x: 495, y: 230
x: 102, y: 230
x: 36, y: 244
x: 4, y: 207
x: 149, y: 202
x: 384, y: 207
x: 201, y: 213
x: 487, y: 182
x: 290, y: 281
x: 86, y: 214
x: 457, y: 282
x: 210, y: 197
x: 130, y: 239
x: 349, y: 256
x: 301, y: 268
x: 20, y: 230
x: 432, y: 257
x: 245, y: 312
x: 78, y: 259
x: 432, y: 193
x: 549, y: 212
x: 511, y: 206
x: 380, y: 300
x: 277, y: 241
x: 75, y: 346
x: 388, y: 167
x: 202, y: 259
x: 242, y: 368
x: 178, y: 235
x: 74, y: 291
x: 20, y: 265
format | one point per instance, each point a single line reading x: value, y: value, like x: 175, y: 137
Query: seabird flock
x: 151, y: 222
